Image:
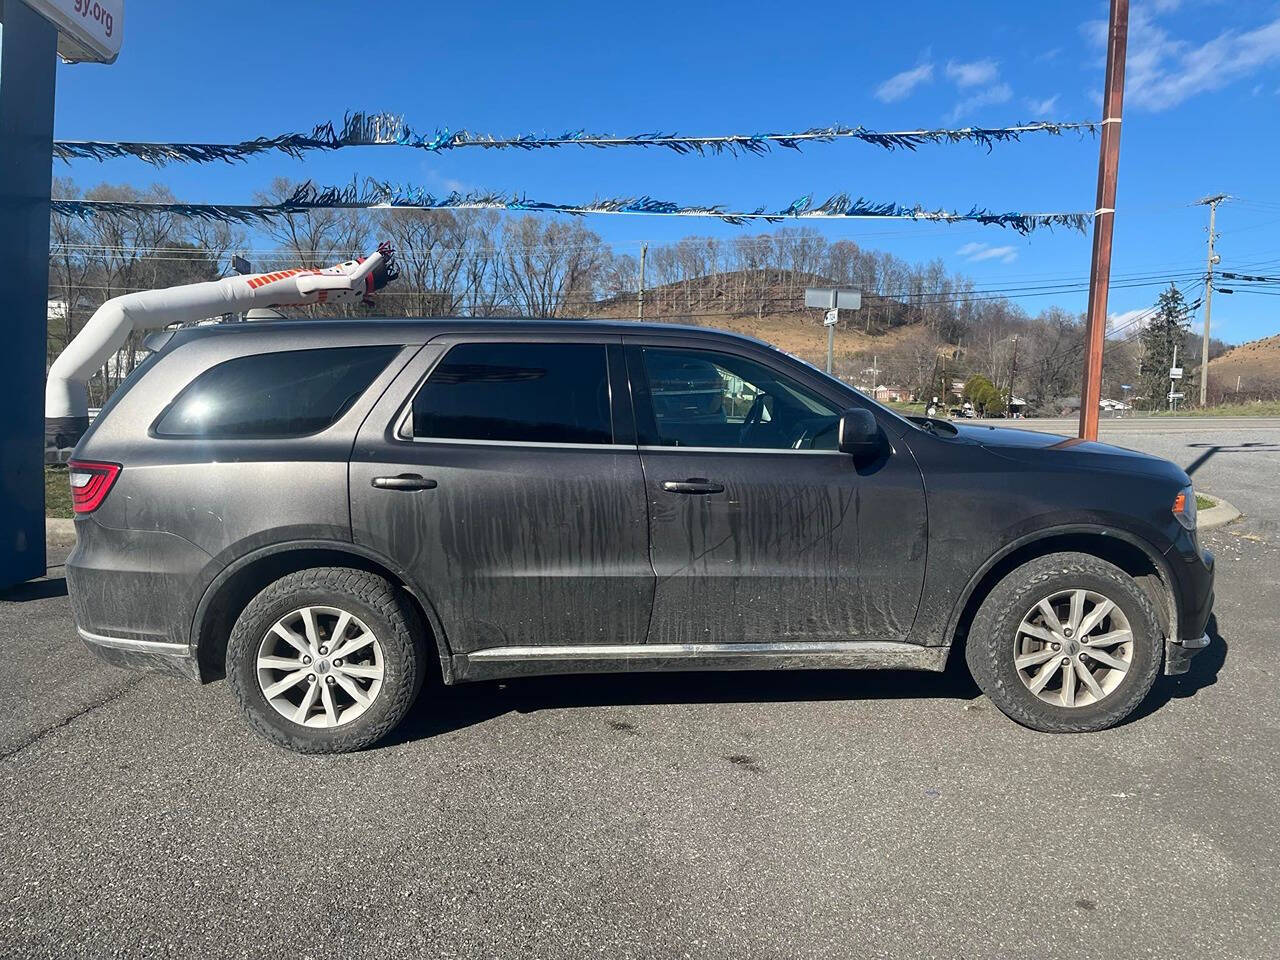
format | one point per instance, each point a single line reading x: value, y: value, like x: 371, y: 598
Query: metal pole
x: 1013, y: 367
x: 27, y: 70
x: 1208, y: 300
x: 831, y: 332
x: 1171, y: 380
x: 1104, y: 219
x: 644, y: 248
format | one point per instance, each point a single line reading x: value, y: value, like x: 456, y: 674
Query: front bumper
x: 1178, y: 653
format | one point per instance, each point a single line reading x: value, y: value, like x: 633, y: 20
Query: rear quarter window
x: 287, y: 394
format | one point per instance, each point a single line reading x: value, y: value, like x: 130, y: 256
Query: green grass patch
x: 57, y: 493
x: 1204, y: 503
x: 1263, y: 409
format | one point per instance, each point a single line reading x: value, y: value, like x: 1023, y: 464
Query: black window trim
x: 639, y: 378
x: 619, y: 403
x: 395, y: 363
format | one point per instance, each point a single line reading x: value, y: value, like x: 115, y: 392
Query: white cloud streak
x: 1163, y: 71
x: 972, y: 74
x: 902, y: 85
x: 977, y: 252
x: 998, y: 93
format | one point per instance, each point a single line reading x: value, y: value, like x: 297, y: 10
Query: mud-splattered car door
x: 502, y: 475
x: 760, y: 530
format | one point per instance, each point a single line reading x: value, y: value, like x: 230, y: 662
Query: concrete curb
x: 1223, y: 513
x: 59, y: 530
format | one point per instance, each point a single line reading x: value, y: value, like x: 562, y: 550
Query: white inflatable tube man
x: 66, y: 404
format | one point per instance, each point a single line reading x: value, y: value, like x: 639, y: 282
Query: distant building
x: 890, y: 394
x: 1109, y: 404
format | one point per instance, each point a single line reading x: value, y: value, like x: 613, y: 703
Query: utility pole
x: 1104, y: 218
x: 644, y: 248
x: 1013, y: 369
x: 1212, y: 204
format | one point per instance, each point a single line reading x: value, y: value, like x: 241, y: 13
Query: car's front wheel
x: 1066, y: 643
x: 326, y: 660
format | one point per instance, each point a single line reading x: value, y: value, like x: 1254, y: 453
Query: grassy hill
x: 1256, y: 364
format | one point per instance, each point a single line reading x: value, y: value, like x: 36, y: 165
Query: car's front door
x: 760, y: 531
x: 507, y: 483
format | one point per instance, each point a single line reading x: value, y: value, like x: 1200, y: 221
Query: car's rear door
x: 502, y: 473
x: 760, y: 531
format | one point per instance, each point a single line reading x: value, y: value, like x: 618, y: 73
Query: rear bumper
x: 1178, y: 654
x: 171, y: 658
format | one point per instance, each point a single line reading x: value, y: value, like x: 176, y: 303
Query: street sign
x: 827, y: 299
x: 831, y: 318
x: 88, y: 30
x: 1175, y: 396
x: 240, y: 265
x: 1175, y: 373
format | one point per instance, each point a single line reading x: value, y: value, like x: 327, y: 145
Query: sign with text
x: 88, y: 30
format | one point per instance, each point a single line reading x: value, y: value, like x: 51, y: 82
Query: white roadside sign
x: 88, y: 30
x: 831, y: 319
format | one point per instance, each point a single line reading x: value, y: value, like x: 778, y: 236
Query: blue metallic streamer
x: 383, y: 129
x: 374, y: 194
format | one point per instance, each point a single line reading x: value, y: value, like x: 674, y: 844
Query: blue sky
x: 1202, y: 105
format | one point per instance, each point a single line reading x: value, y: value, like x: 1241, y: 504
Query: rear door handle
x: 406, y: 481
x: 693, y: 485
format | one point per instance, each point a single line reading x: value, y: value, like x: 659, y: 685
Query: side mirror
x: 860, y: 435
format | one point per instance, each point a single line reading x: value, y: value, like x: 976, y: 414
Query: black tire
x: 386, y: 612
x: 989, y: 650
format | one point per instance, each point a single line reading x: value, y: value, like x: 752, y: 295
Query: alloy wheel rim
x: 1073, y: 648
x: 320, y: 666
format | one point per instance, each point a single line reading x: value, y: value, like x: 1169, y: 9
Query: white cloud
x: 972, y: 74
x: 1043, y: 108
x: 1163, y: 70
x: 977, y: 252
x: 999, y: 93
x: 901, y: 85
x: 1129, y: 321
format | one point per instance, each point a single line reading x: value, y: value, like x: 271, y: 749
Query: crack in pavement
x: 66, y: 721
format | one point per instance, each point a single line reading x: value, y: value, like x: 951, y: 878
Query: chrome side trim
x: 661, y: 448
x: 142, y: 646
x: 665, y: 651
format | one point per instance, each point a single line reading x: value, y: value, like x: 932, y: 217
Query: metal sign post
x: 833, y: 301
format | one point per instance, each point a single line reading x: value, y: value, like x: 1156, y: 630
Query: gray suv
x: 315, y: 509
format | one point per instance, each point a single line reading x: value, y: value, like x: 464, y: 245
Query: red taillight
x: 91, y: 481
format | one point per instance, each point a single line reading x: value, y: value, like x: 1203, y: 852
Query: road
x: 735, y: 815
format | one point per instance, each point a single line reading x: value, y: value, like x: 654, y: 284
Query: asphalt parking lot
x: 734, y: 815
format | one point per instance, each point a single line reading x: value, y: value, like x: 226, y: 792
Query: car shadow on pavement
x: 35, y: 590
x: 441, y: 709
x: 1202, y: 673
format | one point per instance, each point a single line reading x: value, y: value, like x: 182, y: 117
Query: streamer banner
x: 384, y: 129
x: 376, y: 195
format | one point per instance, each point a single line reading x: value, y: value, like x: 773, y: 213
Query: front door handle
x: 693, y: 485
x: 406, y: 481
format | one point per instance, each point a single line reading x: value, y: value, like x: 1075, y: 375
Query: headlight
x: 1184, y: 508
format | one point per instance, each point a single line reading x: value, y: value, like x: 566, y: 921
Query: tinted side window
x: 703, y: 398
x: 285, y: 394
x: 527, y: 392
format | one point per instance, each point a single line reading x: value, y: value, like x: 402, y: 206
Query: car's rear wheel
x: 1066, y: 643
x: 326, y: 660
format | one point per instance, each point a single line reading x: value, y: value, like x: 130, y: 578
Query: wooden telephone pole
x: 1104, y: 218
x: 1212, y: 204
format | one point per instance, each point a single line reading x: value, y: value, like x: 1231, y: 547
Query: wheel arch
x: 238, y: 583
x: 1127, y: 551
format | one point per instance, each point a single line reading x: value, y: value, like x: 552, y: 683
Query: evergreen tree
x: 1163, y: 333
